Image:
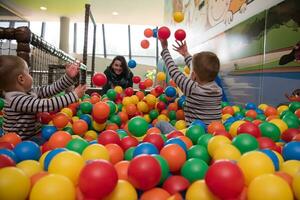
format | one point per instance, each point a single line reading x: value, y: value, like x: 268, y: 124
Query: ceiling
x: 147, y: 12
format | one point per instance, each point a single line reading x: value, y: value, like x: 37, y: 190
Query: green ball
x: 77, y: 145
x: 163, y: 98
x: 239, y: 113
x: 112, y: 107
x: 85, y: 96
x: 291, y: 121
x: 1, y: 121
x: 250, y: 119
x: 111, y: 94
x: 115, y: 119
x: 224, y: 104
x: 204, y: 139
x: 261, y: 117
x: 68, y: 129
x: 194, y: 132
x: 200, y: 152
x: 294, y: 106
x: 2, y: 102
x: 164, y: 137
x: 153, y: 114
x: 86, y: 107
x: 79, y: 113
x: 129, y: 153
x: 194, y: 169
x: 269, y: 130
x: 122, y: 133
x: 104, y: 97
x: 164, y: 168
x: 138, y: 126
x: 284, y: 113
x: 172, y: 115
x: 120, y: 106
x: 245, y: 143
x: 227, y: 126
x: 173, y: 122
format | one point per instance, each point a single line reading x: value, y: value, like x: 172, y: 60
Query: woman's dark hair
x: 123, y: 64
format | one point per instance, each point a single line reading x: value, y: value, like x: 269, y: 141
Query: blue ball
x: 27, y: 150
x: 1, y: 132
x: 51, y: 155
x: 259, y: 111
x: 48, y: 131
x: 87, y: 118
x: 181, y: 101
x: 250, y: 106
x: 131, y: 63
x: 291, y: 151
x: 9, y: 153
x: 170, y: 91
x: 230, y: 120
x: 198, y: 122
x: 145, y: 148
x: 273, y: 157
x: 93, y: 142
x: 154, y: 32
x: 178, y: 142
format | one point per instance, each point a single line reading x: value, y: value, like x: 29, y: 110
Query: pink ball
x: 164, y: 33
x: 99, y: 79
x: 180, y: 34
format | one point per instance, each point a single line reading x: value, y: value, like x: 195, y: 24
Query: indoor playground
x: 108, y: 144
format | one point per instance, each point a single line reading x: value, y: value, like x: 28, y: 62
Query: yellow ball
x: 234, y: 127
x: 134, y: 99
x: 225, y: 117
x: 147, y: 118
x: 296, y: 185
x: 126, y: 101
x: 161, y: 76
x: 67, y: 111
x: 236, y: 109
x: 216, y: 142
x: 263, y: 106
x: 75, y: 118
x: 186, y: 70
x: 291, y: 167
x: 76, y: 137
x: 118, y: 89
x: 282, y: 108
x: 42, y: 159
x: 280, y: 124
x: 269, y: 187
x: 95, y: 151
x: 123, y: 190
x: 14, y: 184
x: 143, y: 107
x: 91, y: 134
x: 50, y: 123
x: 52, y: 187
x: 68, y: 164
x: 150, y: 99
x: 98, y: 127
x: 227, y: 151
x: 30, y: 167
x: 162, y: 117
x: 254, y: 164
x: 280, y: 158
x: 199, y: 190
x: 178, y: 16
x: 180, y: 124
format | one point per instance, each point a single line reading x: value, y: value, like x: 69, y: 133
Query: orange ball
x: 140, y: 95
x: 11, y: 138
x: 131, y: 109
x: 73, y: 107
x: 270, y: 117
x: 172, y: 83
x: 59, y: 139
x: 122, y: 169
x: 123, y: 116
x: 60, y: 120
x: 180, y: 115
x: 153, y: 130
x: 164, y: 112
x: 155, y: 194
x: 95, y: 99
x: 112, y: 126
x: 174, y: 155
x: 116, y: 153
x: 154, y: 93
x: 288, y: 178
x: 227, y: 110
x: 188, y: 142
x: 154, y: 122
x: 36, y: 177
x: 251, y: 113
x: 297, y: 112
x: 148, y: 82
x: 270, y: 111
x: 80, y: 127
x: 173, y: 106
x: 101, y: 110
x: 215, y: 126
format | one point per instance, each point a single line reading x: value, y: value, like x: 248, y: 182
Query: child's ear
x: 20, y: 79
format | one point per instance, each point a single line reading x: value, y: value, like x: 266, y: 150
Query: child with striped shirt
x: 203, y: 95
x: 22, y: 102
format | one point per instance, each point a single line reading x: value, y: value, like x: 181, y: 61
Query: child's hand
x: 72, y: 69
x: 164, y: 44
x: 80, y: 90
x: 181, y: 48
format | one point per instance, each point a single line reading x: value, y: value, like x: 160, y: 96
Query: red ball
x: 142, y: 86
x: 249, y: 128
x: 148, y: 32
x: 222, y: 132
x: 159, y: 89
x: 128, y: 142
x: 174, y: 134
x: 109, y: 137
x: 145, y: 44
x: 180, y: 34
x: 144, y: 172
x: 129, y: 91
x: 6, y: 145
x: 97, y: 179
x: 6, y: 161
x: 154, y: 139
x: 44, y: 117
x: 99, y: 79
x: 164, y: 33
x: 175, y: 184
x: 220, y: 174
x: 136, y: 79
x: 266, y: 143
x: 288, y: 135
x: 161, y: 106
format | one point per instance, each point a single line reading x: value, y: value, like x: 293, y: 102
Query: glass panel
x: 4, y: 24
x: 36, y: 27
x: 52, y: 33
x: 137, y: 35
x: 116, y: 36
x: 18, y: 24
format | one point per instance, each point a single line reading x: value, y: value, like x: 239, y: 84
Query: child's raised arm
x: 182, y: 49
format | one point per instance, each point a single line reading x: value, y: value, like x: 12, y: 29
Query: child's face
x: 27, y: 79
x: 117, y: 67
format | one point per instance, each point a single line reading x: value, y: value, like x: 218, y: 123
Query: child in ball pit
x: 203, y: 95
x: 22, y: 102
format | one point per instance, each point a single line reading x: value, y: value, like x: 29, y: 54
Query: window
x: 52, y: 32
x: 4, y: 24
x: 18, y: 24
x: 36, y: 27
x: 137, y: 35
x: 116, y: 37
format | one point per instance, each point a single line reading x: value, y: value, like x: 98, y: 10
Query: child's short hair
x: 10, y: 67
x: 206, y: 65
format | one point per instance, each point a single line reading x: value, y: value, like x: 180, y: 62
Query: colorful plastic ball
x: 199, y: 190
x: 86, y: 107
x: 123, y: 190
x: 174, y: 155
x: 291, y: 121
x: 165, y: 170
x: 277, y: 189
x: 291, y: 151
x: 12, y: 138
x: 270, y: 130
x: 249, y: 128
x: 144, y: 172
x: 27, y: 150
x: 293, y: 106
x: 254, y: 164
x: 245, y: 143
x: 95, y: 151
x: 280, y: 124
x: 220, y: 174
x: 145, y: 148
x: 272, y: 156
x: 164, y: 33
x: 178, y: 16
x: 77, y: 145
x: 136, y: 79
x: 234, y: 126
x: 155, y: 139
x: 180, y: 34
x: 80, y: 127
x: 290, y: 167
x: 199, y: 152
x: 161, y: 76
x: 142, y: 85
x: 176, y: 141
x: 14, y: 184
x: 50, y: 156
x: 148, y: 32
x: 45, y: 117
x: 288, y: 135
x: 99, y: 79
x: 250, y: 106
x: 100, y: 112
x: 296, y: 185
x: 180, y: 124
x: 194, y: 169
x: 47, y: 131
x: 6, y: 161
x: 194, y: 133
x: 216, y: 142
x: 111, y: 94
x: 115, y: 152
x: 109, y: 137
x: 157, y: 193
x: 175, y: 184
x: 131, y: 64
x: 137, y: 122
x: 59, y: 139
x: 128, y: 155
x: 204, y: 140
x: 145, y: 44
x: 60, y: 120
x: 50, y: 186
x: 170, y: 91
x: 227, y: 151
